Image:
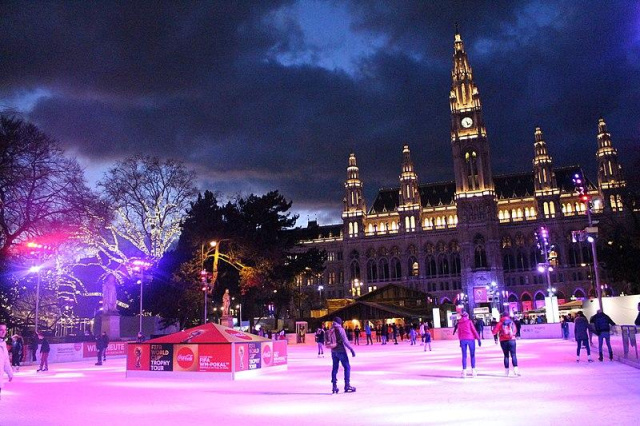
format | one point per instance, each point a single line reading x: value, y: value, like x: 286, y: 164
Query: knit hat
x: 337, y: 320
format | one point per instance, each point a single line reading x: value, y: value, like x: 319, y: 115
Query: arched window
x: 522, y: 261
x: 396, y: 269
x: 455, y: 264
x: 413, y: 267
x: 355, y: 270
x: 480, y: 255
x: 472, y: 169
x: 508, y: 263
x: 443, y: 264
x: 383, y: 268
x: 372, y: 270
x: 579, y: 294
x: 431, y: 266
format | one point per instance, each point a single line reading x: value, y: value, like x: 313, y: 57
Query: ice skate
x: 474, y: 373
x: 506, y: 372
x: 349, y: 388
x: 463, y: 374
x: 516, y: 372
x: 335, y: 389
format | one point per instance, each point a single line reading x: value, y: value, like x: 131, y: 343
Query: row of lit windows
x: 528, y: 213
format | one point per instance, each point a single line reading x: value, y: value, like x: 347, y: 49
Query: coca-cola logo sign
x: 267, y: 354
x: 185, y: 358
x: 238, y: 334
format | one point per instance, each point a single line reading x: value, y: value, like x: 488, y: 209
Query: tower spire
x: 409, y: 200
x: 544, y: 178
x: 610, y: 177
x: 354, y: 206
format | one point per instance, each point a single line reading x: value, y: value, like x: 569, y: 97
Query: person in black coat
x: 602, y: 324
x: 581, y: 328
x: 102, y: 341
x: 44, y: 353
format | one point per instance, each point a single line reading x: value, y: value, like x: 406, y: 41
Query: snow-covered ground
x: 395, y: 385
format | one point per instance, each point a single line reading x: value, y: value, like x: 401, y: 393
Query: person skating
x: 468, y: 334
x: 44, y: 353
x: 581, y: 325
x: 339, y: 356
x: 480, y: 326
x: 367, y: 332
x: 320, y: 341
x: 427, y: 339
x: 602, y: 324
x: 506, y: 332
x: 16, y: 351
x: 5, y: 364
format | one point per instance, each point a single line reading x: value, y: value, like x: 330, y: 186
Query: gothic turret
x: 409, y: 201
x: 469, y: 142
x: 354, y: 206
x: 544, y: 177
x: 610, y: 177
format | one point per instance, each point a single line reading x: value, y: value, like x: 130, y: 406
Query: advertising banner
x: 254, y: 355
x: 242, y: 356
x: 480, y: 295
x: 527, y: 305
x: 138, y: 357
x: 161, y: 357
x: 185, y: 358
x: 279, y: 356
x: 267, y: 354
x: 64, y: 352
x: 114, y: 348
x: 214, y: 358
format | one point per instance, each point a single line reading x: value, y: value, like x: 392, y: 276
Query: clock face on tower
x: 466, y: 122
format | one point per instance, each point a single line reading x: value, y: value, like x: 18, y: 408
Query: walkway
x: 396, y: 385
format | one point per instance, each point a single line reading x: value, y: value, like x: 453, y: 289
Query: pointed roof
x: 209, y: 333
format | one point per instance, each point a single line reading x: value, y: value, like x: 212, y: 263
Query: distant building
x: 476, y: 235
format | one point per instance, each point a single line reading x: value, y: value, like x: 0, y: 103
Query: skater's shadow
x: 270, y: 393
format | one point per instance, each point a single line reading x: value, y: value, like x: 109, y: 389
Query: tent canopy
x: 208, y: 333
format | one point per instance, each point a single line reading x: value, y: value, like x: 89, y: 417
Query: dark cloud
x: 207, y: 82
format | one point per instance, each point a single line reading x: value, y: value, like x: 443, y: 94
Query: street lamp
x: 36, y: 269
x: 139, y: 266
x: 590, y: 232
x: 239, y: 307
x: 320, y: 288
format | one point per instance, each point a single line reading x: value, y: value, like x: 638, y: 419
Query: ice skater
x: 339, y: 356
x: 468, y: 334
x: 44, y: 353
x: 320, y: 341
x: 506, y: 332
x: 581, y: 325
x: 4, y: 357
x: 602, y: 323
x: 427, y: 339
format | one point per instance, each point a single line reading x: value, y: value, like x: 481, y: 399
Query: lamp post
x: 36, y: 269
x: 239, y: 308
x: 590, y: 232
x: 139, y: 266
x: 320, y: 288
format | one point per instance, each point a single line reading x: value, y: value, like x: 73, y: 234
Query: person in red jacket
x: 506, y: 332
x: 468, y: 334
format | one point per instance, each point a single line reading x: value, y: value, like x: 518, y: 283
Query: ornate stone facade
x: 463, y: 236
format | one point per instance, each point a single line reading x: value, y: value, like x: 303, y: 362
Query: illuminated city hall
x: 477, y: 239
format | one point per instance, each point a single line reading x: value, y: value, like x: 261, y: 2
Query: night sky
x: 264, y: 95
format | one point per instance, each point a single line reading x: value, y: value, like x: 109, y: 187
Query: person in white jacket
x: 4, y: 357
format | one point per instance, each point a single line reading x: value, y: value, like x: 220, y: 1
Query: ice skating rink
x: 396, y: 384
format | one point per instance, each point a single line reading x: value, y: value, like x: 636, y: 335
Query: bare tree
x: 148, y: 199
x: 42, y: 192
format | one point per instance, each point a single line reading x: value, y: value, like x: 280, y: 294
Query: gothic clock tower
x: 475, y: 193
